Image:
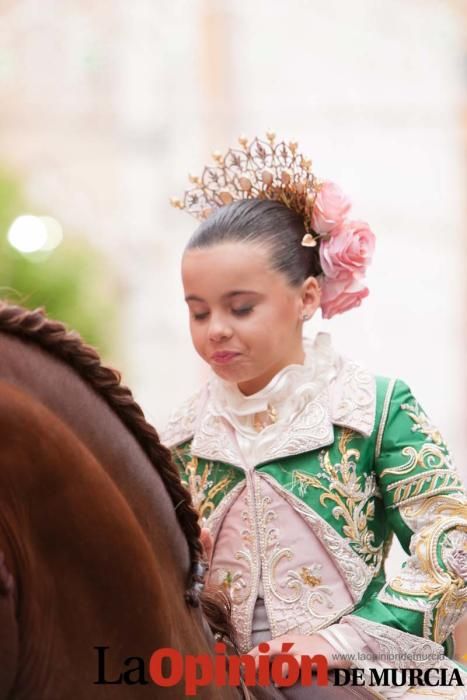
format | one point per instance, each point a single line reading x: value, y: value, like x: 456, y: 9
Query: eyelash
x: 237, y: 312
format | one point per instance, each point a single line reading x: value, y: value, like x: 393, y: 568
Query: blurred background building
x: 105, y: 106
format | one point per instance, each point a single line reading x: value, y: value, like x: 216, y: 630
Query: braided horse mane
x: 53, y: 337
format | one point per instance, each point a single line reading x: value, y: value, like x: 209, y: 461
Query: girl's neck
x: 252, y: 386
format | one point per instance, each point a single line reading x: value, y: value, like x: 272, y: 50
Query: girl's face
x: 245, y: 318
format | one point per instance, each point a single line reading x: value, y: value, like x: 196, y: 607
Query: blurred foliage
x: 73, y: 282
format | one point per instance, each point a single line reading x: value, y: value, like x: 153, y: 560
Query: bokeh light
x: 31, y: 234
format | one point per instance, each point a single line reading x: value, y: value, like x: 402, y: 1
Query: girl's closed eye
x: 243, y: 311
x: 200, y: 316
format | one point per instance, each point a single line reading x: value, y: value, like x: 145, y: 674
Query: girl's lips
x: 223, y: 357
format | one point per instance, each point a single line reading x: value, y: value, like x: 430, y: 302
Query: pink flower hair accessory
x: 329, y: 208
x: 345, y: 250
x: 338, y: 296
x: 348, y: 250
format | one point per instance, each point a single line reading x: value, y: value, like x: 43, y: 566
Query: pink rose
x: 329, y: 209
x: 348, y: 251
x: 338, y: 296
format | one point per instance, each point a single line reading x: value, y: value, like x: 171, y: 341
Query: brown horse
x: 99, y: 542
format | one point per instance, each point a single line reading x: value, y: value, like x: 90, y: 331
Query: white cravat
x: 286, y: 394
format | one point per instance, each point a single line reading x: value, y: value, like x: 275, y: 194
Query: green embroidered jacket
x: 362, y: 463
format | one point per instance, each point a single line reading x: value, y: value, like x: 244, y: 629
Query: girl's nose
x: 218, y: 330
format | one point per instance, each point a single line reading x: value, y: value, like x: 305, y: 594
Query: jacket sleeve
x: 426, y: 507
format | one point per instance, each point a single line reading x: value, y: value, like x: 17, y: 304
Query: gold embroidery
x: 432, y: 455
x: 202, y: 489
x: 436, y: 479
x: 354, y: 502
x: 226, y: 582
x: 422, y: 422
x: 351, y: 566
x: 428, y: 457
x: 265, y: 418
x: 291, y: 603
x: 441, y: 582
x: 419, y: 515
x: 308, y: 578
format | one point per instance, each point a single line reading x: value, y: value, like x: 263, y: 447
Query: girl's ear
x: 311, y: 296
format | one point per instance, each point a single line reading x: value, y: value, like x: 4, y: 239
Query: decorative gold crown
x: 259, y: 170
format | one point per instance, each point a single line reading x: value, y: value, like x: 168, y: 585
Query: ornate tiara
x: 276, y: 171
x: 257, y: 170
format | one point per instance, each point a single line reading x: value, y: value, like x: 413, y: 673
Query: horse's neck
x: 85, y: 572
x: 82, y: 410
x: 58, y: 387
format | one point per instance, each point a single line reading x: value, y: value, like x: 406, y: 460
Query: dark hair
x: 262, y: 221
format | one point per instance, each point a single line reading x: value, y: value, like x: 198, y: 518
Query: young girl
x: 301, y: 463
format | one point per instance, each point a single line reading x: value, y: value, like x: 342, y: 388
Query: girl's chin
x: 227, y: 373
x: 230, y: 374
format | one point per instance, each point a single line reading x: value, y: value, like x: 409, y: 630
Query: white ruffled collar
x: 287, y: 393
x: 326, y: 391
